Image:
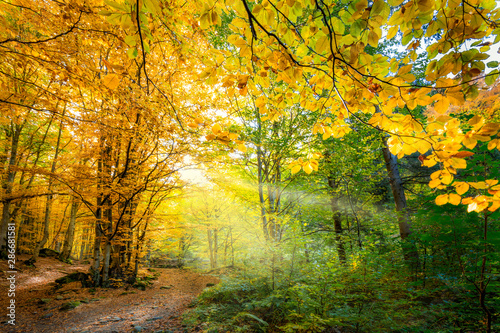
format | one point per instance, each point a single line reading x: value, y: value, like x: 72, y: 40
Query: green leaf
x: 406, y: 39
x: 132, y: 53
x: 356, y: 28
x: 491, y: 77
x: 492, y: 64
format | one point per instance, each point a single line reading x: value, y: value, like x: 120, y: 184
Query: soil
x: 38, y: 303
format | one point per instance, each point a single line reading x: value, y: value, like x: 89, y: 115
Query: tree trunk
x: 9, y: 181
x: 210, y: 249
x: 398, y: 192
x: 96, y: 265
x: 70, y: 233
x: 263, y: 214
x: 337, y: 219
x: 48, y: 205
x: 410, y: 252
x: 107, y: 247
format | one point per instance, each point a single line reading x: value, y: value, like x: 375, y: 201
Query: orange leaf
x: 461, y: 188
x: 462, y: 154
x: 454, y: 199
x: 441, y: 199
x: 112, y: 81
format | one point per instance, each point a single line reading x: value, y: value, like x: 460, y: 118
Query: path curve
x: 157, y: 309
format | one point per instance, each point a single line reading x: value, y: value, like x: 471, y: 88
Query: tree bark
x: 410, y: 252
x: 70, y: 232
x: 9, y: 181
x: 48, y: 205
x: 337, y: 219
x: 398, y: 192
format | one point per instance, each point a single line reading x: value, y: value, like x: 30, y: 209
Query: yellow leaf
x: 111, y: 81
x: 242, y: 148
x: 308, y: 168
x: 490, y: 129
x: 373, y: 38
x: 476, y: 121
x: 429, y: 162
x: 442, y: 199
x: 494, y: 206
x: 216, y: 129
x: 454, y: 199
x: 296, y: 169
x: 322, y: 44
x: 469, y: 142
x: 405, y: 69
x: 479, y: 185
x: 314, y: 165
x: 461, y: 188
x: 436, y: 174
x: 483, y: 138
x: 442, y: 105
x: 193, y: 125
x: 446, y: 178
x: 233, y: 136
x: 425, y: 5
x: 392, y: 32
x: 492, y: 144
x: 205, y: 20
x: 458, y: 163
x: 435, y: 183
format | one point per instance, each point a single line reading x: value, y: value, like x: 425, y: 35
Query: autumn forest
x: 332, y: 166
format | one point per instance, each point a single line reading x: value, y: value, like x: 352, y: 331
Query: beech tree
x: 131, y: 123
x: 316, y: 49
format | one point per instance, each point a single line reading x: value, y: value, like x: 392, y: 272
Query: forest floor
x: 38, y: 303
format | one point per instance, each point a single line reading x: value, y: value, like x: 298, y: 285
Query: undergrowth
x: 365, y: 296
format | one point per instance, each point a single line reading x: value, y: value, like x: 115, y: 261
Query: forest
x: 329, y: 165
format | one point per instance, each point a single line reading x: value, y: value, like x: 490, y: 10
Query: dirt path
x: 156, y: 309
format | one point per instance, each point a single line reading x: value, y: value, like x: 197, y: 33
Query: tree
x: 127, y: 120
x: 316, y: 49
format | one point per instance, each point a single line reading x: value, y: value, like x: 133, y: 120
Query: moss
x: 69, y: 305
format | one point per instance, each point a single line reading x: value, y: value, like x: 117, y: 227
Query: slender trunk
x: 409, y: 250
x: 232, y: 249
x: 272, y: 216
x: 215, y: 247
x: 70, y: 232
x: 107, y: 247
x: 96, y: 265
x: 226, y: 247
x: 107, y: 260
x: 82, y: 252
x: 277, y: 196
x: 210, y: 249
x: 48, y: 205
x: 337, y: 219
x: 263, y: 214
x: 108, y: 210
x: 260, y: 167
x: 391, y: 163
x: 483, y: 281
x: 20, y: 229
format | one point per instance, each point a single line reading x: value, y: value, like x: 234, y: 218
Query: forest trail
x: 157, y: 309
